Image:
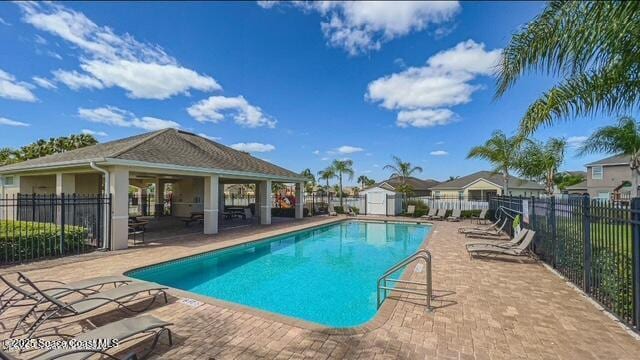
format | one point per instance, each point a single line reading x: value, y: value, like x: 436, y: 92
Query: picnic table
x: 137, y: 228
x: 196, y: 216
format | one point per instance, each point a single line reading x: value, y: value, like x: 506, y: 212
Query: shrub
x: 466, y: 214
x: 287, y: 212
x: 419, y: 204
x: 339, y: 209
x: 31, y: 240
x: 355, y: 210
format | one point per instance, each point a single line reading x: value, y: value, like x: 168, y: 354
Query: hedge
x: 30, y: 240
x: 287, y: 212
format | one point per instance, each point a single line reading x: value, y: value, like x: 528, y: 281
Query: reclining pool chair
x: 55, y: 308
x: 518, y: 250
x: 431, y: 214
x: 494, y: 232
x: 501, y: 243
x: 121, y: 331
x: 21, y: 294
x: 455, y: 216
x: 481, y: 217
x: 440, y: 214
x: 494, y: 225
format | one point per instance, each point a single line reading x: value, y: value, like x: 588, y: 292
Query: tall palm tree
x: 403, y: 170
x: 363, y: 180
x: 591, y: 45
x: 621, y: 138
x: 341, y: 167
x: 311, y: 180
x: 502, y: 152
x: 542, y: 161
x: 327, y: 174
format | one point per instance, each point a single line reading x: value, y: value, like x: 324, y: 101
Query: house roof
x: 415, y: 183
x: 167, y: 147
x: 579, y: 186
x: 575, y: 173
x: 619, y: 159
x: 462, y: 182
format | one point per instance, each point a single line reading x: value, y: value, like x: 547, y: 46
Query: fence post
x: 365, y: 203
x: 552, y: 224
x: 62, y: 218
x: 635, y: 226
x: 586, y: 221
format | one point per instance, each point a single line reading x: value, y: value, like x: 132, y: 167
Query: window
x: 460, y: 195
x: 596, y: 172
x: 9, y: 180
x: 603, y: 195
x: 437, y: 194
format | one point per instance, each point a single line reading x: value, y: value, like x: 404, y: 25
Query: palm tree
x: 403, y: 170
x: 327, y: 174
x: 311, y: 180
x: 542, y: 161
x: 341, y: 167
x: 502, y: 152
x: 621, y: 138
x: 7, y: 156
x: 591, y: 45
x: 363, y: 180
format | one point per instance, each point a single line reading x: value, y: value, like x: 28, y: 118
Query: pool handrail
x: 421, y: 254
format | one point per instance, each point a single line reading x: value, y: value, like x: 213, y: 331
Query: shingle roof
x: 615, y: 159
x: 414, y: 183
x: 579, y: 186
x: 461, y: 182
x: 169, y: 147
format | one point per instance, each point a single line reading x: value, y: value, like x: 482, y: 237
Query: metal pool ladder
x: 421, y: 254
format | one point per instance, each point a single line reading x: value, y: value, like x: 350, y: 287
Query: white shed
x: 381, y: 201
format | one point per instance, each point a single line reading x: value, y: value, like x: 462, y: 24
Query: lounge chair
x: 501, y: 243
x: 518, y: 250
x: 455, y: 216
x: 431, y: 214
x: 21, y: 294
x: 494, y: 225
x: 55, y: 308
x: 119, y: 331
x: 350, y: 211
x: 440, y: 214
x: 411, y: 209
x: 332, y: 211
x: 494, y: 232
x: 482, y: 217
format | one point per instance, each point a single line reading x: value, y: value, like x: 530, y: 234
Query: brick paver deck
x: 485, y: 309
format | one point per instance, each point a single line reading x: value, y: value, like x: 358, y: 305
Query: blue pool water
x: 325, y: 275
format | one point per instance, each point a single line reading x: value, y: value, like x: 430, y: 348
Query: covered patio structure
x: 175, y: 173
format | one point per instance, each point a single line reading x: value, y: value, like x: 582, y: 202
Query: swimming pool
x: 325, y: 275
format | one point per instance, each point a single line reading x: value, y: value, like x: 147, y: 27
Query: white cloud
x: 14, y: 90
x: 144, y: 70
x: 439, y: 153
x: 253, y: 147
x: 423, y: 94
x: 423, y: 118
x: 316, y: 152
x: 44, y: 83
x: 324, y: 158
x: 362, y: 26
x: 75, y: 80
x: 576, y: 141
x: 4, y: 22
x: 348, y: 149
x: 111, y: 115
x: 94, y: 133
x: 9, y: 122
x: 214, y: 109
x: 439, y: 142
x: 212, y: 138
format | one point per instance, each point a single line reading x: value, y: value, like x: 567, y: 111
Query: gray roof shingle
x: 414, y: 183
x: 461, y: 182
x: 615, y: 159
x: 169, y: 146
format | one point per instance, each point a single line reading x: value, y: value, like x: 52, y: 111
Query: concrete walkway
x: 485, y: 309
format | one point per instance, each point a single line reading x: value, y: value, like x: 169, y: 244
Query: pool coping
x: 383, y: 314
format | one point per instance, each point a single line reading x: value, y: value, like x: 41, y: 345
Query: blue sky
x: 295, y: 84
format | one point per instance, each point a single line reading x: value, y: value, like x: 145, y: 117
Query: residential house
x: 482, y: 184
x: 418, y: 187
x: 610, y: 178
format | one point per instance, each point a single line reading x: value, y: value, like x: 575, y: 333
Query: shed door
x: 377, y: 203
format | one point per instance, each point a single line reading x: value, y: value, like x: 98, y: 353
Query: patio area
x: 485, y: 309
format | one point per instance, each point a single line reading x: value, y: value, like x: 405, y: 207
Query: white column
x: 119, y: 188
x: 221, y: 197
x: 299, y: 200
x: 265, y: 202
x: 211, y: 202
x: 65, y: 183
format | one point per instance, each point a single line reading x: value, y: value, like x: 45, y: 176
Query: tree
x: 7, y: 156
x: 621, y: 138
x: 311, y: 180
x: 341, y: 167
x: 403, y: 170
x: 542, y: 161
x: 591, y: 45
x: 42, y: 148
x: 363, y: 180
x: 563, y: 181
x: 370, y: 182
x: 327, y: 174
x: 502, y: 152
x: 451, y: 178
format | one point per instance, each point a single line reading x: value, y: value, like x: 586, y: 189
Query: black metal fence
x: 45, y: 226
x: 595, y: 243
